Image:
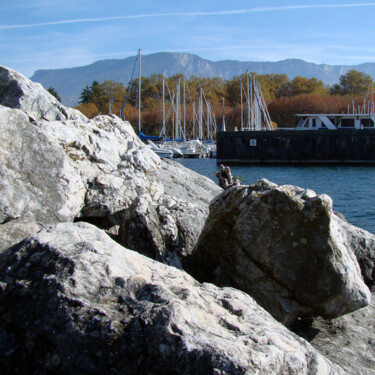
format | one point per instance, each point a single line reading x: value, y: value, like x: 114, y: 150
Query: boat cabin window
x: 367, y: 123
x: 333, y: 120
x: 347, y: 123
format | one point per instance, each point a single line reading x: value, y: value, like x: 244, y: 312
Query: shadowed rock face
x: 74, y: 301
x: 285, y: 247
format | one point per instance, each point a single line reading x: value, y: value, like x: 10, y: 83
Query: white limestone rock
x: 18, y: 92
x: 63, y: 168
x: 36, y: 175
x: 74, y: 301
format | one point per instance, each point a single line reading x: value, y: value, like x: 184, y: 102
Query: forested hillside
x: 284, y: 97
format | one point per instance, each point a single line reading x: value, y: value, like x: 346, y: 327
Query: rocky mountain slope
x: 97, y: 234
x: 70, y: 82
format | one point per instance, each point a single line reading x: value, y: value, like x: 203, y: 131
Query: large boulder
x: 285, y: 247
x: 74, y: 301
x: 59, y: 166
x: 18, y: 92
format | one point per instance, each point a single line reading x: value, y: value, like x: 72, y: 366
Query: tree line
x: 284, y: 97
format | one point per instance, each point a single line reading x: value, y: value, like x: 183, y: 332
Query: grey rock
x: 363, y: 245
x: 348, y: 341
x: 16, y: 230
x: 18, y: 92
x: 166, y: 230
x: 184, y: 184
x: 74, y: 301
x: 36, y: 176
x: 285, y: 247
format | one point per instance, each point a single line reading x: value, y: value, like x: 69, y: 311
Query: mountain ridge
x: 69, y: 82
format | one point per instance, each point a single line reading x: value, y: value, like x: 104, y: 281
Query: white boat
x: 315, y: 121
x: 162, y: 152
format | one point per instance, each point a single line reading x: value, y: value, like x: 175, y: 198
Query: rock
x: 348, y: 341
x: 73, y: 169
x: 183, y: 184
x: 74, y: 301
x: 36, y: 176
x: 225, y: 178
x: 363, y: 245
x: 166, y: 230
x: 18, y: 92
x: 17, y: 229
x: 285, y: 247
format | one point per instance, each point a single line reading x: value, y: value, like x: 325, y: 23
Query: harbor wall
x: 342, y: 146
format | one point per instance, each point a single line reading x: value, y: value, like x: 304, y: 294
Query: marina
x: 175, y: 142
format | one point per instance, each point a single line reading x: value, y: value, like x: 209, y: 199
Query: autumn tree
x: 101, y: 94
x: 273, y: 85
x: 90, y: 110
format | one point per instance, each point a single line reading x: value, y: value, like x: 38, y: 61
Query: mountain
x: 70, y: 82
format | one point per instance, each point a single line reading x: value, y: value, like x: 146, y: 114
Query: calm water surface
x: 351, y: 188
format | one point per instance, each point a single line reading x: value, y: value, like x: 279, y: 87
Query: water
x: 352, y: 189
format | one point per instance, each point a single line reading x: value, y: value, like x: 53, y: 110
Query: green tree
x: 302, y: 85
x: 273, y: 85
x: 101, y: 93
x: 53, y: 92
x: 150, y: 93
x: 353, y: 83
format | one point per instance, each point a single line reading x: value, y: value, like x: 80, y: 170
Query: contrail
x: 187, y: 14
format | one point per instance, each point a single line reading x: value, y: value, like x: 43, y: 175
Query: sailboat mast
x: 200, y: 133
x: 194, y: 135
x: 163, y: 131
x: 177, y: 125
x: 139, y: 92
x: 184, y: 112
x: 248, y: 100
x: 223, y: 125
x: 208, y: 118
x: 241, y: 88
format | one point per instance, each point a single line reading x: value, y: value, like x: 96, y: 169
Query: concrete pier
x: 314, y: 147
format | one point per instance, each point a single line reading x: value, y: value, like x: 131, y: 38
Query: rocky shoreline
x: 115, y: 261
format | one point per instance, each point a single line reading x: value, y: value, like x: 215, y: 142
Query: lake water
x: 352, y: 189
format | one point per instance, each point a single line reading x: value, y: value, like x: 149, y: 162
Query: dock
x: 296, y: 147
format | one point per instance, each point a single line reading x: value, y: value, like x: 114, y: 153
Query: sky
x: 55, y: 34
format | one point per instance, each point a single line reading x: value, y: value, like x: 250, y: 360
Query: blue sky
x: 53, y: 34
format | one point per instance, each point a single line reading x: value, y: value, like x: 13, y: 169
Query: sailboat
x: 178, y: 145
